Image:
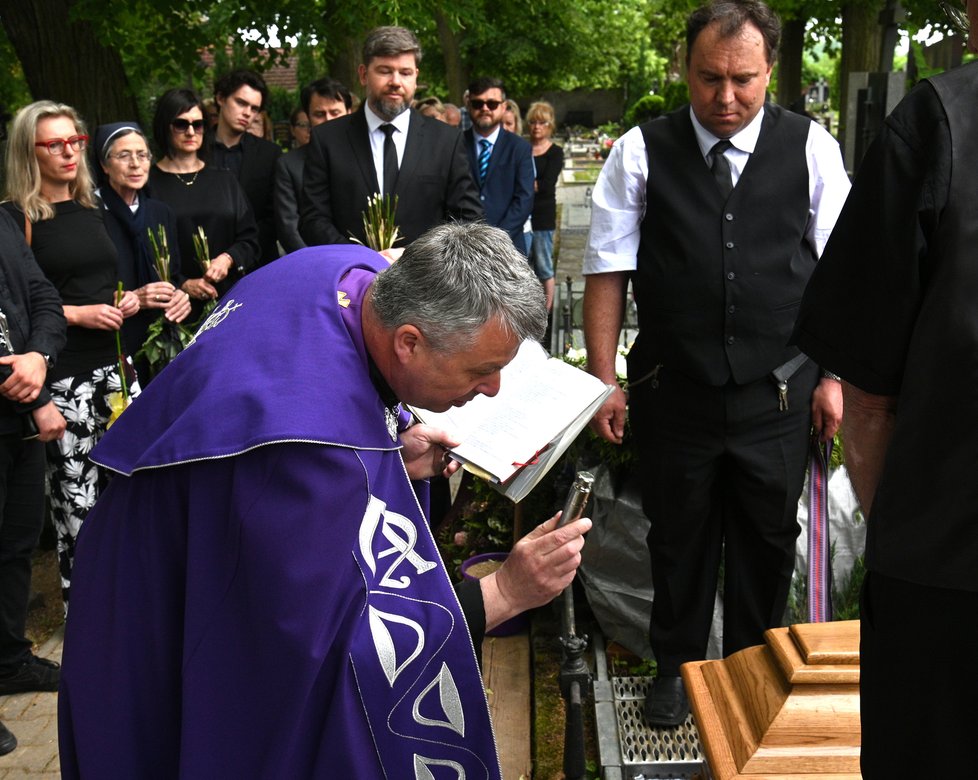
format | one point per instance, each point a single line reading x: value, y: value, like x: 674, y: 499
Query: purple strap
x: 819, y: 570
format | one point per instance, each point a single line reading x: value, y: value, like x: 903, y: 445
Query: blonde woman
x: 50, y: 195
x: 548, y: 160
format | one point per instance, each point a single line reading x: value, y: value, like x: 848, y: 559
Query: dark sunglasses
x: 492, y: 105
x: 182, y: 125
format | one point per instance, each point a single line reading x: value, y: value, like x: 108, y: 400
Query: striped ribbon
x: 484, y: 159
x: 819, y: 566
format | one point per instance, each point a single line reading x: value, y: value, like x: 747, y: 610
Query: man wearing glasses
x: 891, y: 308
x: 501, y: 161
x: 385, y: 148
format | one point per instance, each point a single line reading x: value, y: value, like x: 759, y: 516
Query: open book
x: 514, y: 438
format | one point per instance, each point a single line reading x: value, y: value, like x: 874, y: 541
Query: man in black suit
x: 501, y: 161
x: 322, y: 100
x: 240, y: 96
x: 385, y: 148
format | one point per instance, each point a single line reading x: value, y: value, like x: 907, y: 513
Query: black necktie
x: 390, y: 159
x: 721, y: 168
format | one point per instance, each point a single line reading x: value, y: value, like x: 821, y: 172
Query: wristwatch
x: 47, y: 360
x: 830, y: 375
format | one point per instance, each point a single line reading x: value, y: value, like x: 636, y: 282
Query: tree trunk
x: 790, y: 60
x: 861, y: 38
x: 456, y: 74
x: 64, y: 61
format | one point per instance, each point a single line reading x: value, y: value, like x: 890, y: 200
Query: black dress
x: 213, y: 200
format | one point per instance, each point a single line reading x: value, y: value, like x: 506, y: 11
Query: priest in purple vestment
x: 257, y: 593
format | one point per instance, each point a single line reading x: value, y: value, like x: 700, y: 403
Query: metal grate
x: 641, y: 744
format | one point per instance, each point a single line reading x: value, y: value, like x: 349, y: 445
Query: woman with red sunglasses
x: 51, y: 197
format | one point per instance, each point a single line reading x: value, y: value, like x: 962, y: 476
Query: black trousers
x: 917, y: 684
x: 723, y: 468
x: 21, y: 519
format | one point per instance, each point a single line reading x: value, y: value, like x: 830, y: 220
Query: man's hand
x: 609, y: 422
x: 50, y: 424
x: 424, y: 449
x: 827, y: 408
x: 24, y: 384
x: 539, y: 567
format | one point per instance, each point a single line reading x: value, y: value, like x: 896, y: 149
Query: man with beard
x: 501, y: 161
x: 385, y: 148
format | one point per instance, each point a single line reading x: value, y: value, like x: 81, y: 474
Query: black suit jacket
x: 507, y: 192
x: 434, y: 183
x: 288, y: 191
x: 257, y: 178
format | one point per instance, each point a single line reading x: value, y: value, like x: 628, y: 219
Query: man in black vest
x: 717, y: 213
x: 891, y: 307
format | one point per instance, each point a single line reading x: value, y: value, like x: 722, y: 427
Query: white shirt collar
x: 401, y: 121
x: 491, y: 138
x: 744, y: 140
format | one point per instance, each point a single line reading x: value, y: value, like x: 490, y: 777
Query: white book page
x: 538, y: 398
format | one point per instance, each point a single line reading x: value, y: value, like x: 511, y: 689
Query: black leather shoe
x: 666, y: 703
x: 7, y: 740
x: 35, y: 674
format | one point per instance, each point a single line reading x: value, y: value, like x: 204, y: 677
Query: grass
x: 587, y: 175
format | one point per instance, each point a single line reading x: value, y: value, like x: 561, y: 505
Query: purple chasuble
x: 257, y: 593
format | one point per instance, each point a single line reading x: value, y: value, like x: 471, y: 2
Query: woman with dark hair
x: 203, y: 199
x: 131, y: 218
x: 51, y: 198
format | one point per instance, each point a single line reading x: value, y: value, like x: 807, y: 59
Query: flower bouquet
x: 164, y: 339
x: 378, y: 222
x: 202, y: 254
x: 119, y: 401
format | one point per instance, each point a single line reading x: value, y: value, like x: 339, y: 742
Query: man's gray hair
x: 391, y: 42
x: 456, y: 278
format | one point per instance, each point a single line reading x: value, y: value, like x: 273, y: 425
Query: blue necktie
x: 486, y: 148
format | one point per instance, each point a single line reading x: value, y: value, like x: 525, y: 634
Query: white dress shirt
x: 618, y: 200
x: 401, y: 123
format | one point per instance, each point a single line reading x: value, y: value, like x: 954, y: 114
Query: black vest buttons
x: 731, y: 310
x: 731, y: 275
x: 730, y: 339
x: 730, y: 245
x: 728, y: 217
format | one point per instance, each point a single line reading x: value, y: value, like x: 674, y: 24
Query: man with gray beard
x: 387, y: 148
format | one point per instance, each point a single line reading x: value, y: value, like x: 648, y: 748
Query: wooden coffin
x: 788, y: 709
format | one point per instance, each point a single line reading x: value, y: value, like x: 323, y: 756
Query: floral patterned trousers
x: 74, y: 481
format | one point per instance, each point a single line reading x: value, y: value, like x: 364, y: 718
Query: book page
x: 538, y: 398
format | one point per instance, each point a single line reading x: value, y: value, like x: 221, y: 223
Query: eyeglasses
x: 477, y: 104
x: 57, y: 145
x: 958, y: 18
x: 183, y: 125
x: 128, y: 156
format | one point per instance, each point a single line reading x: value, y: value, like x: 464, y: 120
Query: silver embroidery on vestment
x: 421, y: 764
x: 384, y: 642
x: 448, y: 699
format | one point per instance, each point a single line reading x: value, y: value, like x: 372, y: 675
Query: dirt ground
x: 46, y: 611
